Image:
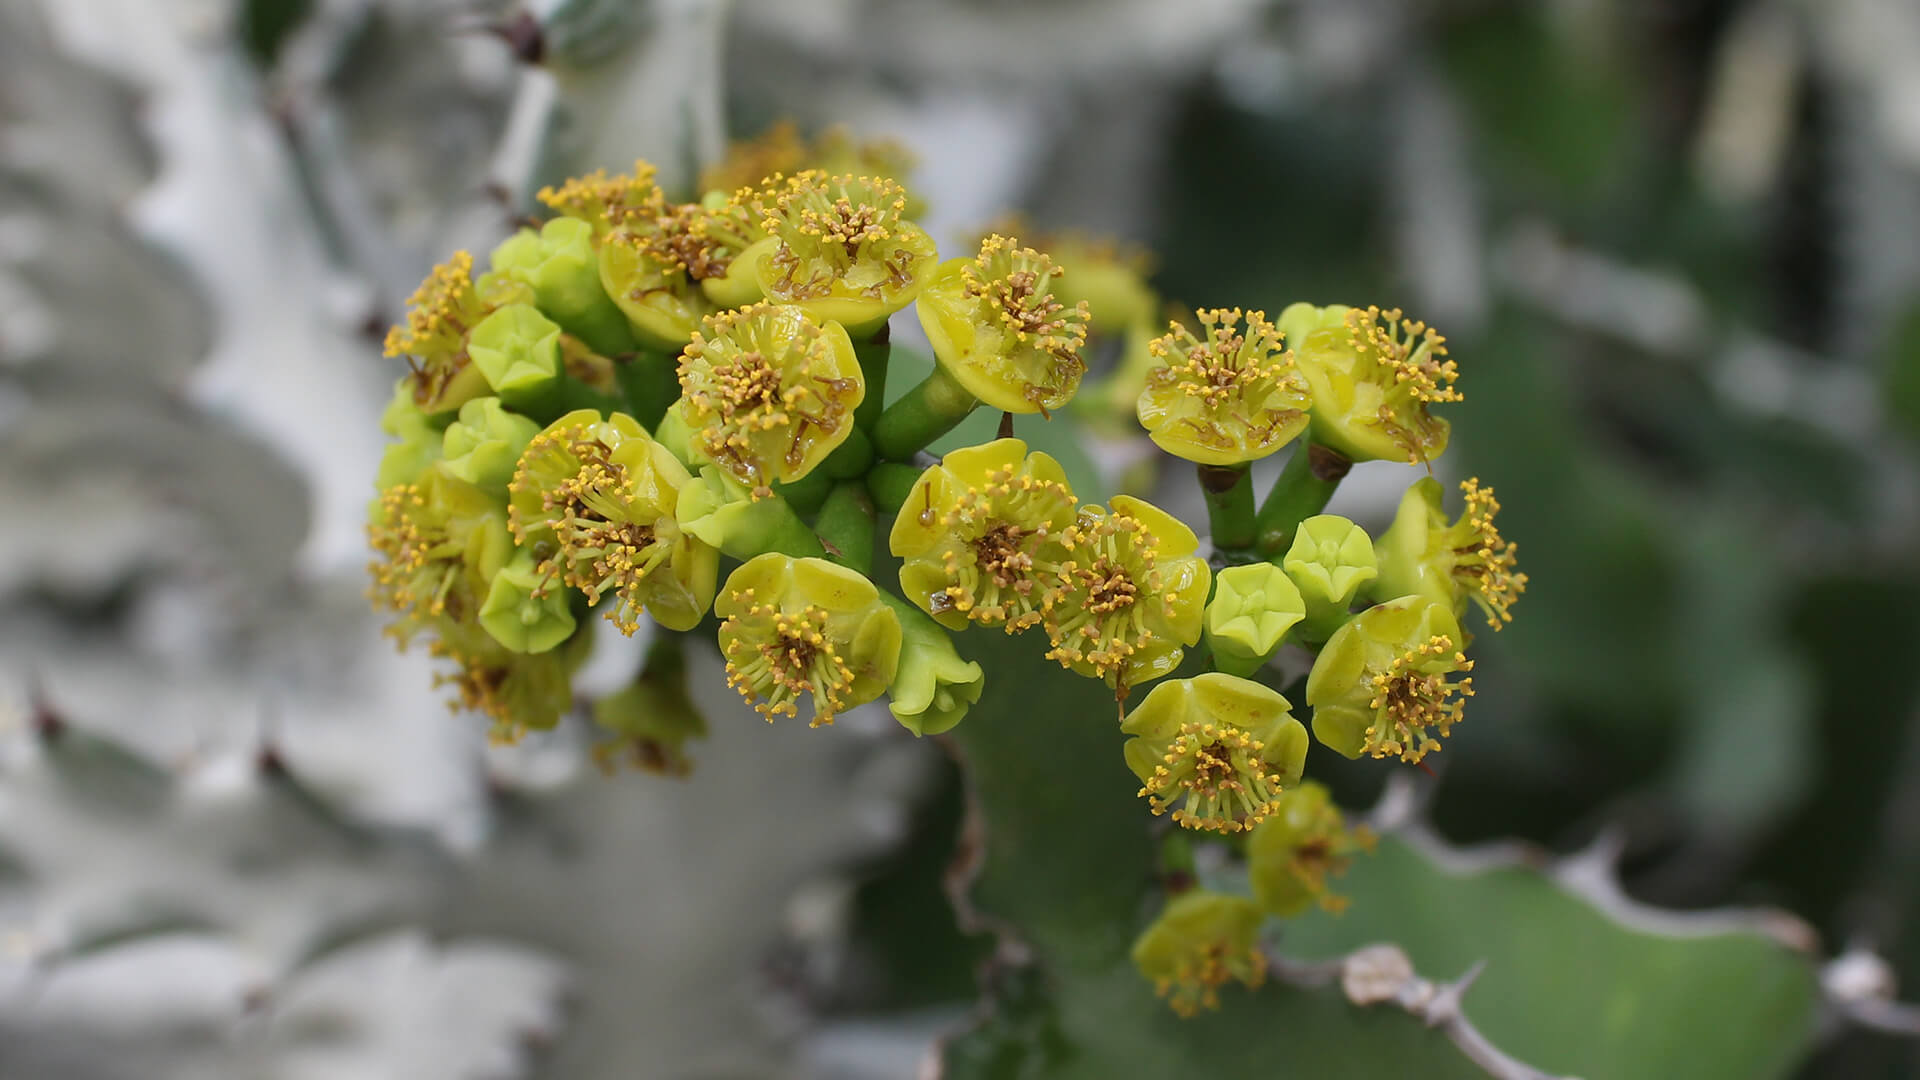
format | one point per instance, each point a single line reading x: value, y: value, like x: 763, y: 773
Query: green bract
x: 1373, y: 375
x: 596, y: 499
x: 1381, y: 685
x: 1467, y: 559
x: 933, y: 688
x: 1226, y: 396
x: 1252, y: 609
x: 768, y: 393
x: 795, y: 627
x: 526, y: 607
x: 979, y: 537
x: 1200, y: 941
x: 1305, y: 841
x: 560, y: 265
x: 1215, y: 750
x: 1331, y: 558
x: 483, y: 446
x: 998, y: 330
x: 842, y: 248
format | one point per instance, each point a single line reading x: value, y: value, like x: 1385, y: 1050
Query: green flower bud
x: 440, y: 315
x: 484, y: 444
x: 806, y: 626
x: 1200, y: 941
x: 1381, y: 686
x: 596, y: 498
x: 933, y: 688
x: 1373, y: 376
x: 517, y: 349
x: 1331, y: 558
x: 998, y: 329
x: 1304, y: 842
x: 1216, y: 750
x: 651, y: 720
x: 526, y: 608
x: 979, y: 537
x: 1467, y: 559
x: 1130, y: 593
x: 418, y: 435
x: 769, y: 393
x: 437, y: 544
x: 1252, y: 609
x: 842, y: 248
x: 721, y: 512
x: 559, y: 264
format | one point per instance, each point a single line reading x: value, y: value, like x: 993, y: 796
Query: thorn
x: 1426, y: 768
x: 1006, y: 425
x: 521, y: 33
x: 270, y: 762
x: 373, y: 325
x: 49, y: 723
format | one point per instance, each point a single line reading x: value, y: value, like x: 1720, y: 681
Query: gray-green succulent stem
x: 1312, y: 475
x: 845, y: 525
x: 923, y: 414
x: 1229, y: 493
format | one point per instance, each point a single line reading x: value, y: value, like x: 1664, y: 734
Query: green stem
x: 850, y: 458
x: 922, y: 415
x: 845, y: 525
x: 790, y: 536
x: 807, y: 493
x: 873, y: 354
x: 891, y: 485
x: 651, y: 382
x: 1302, y: 491
x: 1229, y: 493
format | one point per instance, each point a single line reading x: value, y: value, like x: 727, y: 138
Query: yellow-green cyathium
x: 1385, y: 684
x: 1466, y: 559
x: 1201, y: 941
x: 806, y: 628
x: 1252, y: 609
x: 1215, y: 751
x: 1374, y: 375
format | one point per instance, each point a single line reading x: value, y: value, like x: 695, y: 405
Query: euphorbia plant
x: 677, y: 412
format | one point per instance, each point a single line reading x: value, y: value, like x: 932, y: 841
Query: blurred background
x: 1676, y: 247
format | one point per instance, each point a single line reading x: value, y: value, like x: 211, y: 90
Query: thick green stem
x: 845, y: 525
x: 806, y: 494
x: 922, y: 415
x: 873, y: 354
x: 1302, y: 491
x: 850, y: 458
x: 788, y: 535
x: 891, y: 485
x: 1229, y: 493
x: 651, y: 382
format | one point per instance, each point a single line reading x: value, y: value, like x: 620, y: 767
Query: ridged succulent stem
x: 1309, y: 480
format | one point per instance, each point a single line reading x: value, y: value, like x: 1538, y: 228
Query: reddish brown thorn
x: 1006, y: 425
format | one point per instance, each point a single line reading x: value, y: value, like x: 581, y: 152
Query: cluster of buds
x: 674, y: 413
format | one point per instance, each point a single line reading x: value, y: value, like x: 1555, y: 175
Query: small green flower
x: 1225, y: 397
x: 1109, y: 277
x: 1467, y: 559
x: 998, y: 329
x: 650, y: 721
x: 483, y: 446
x: 796, y: 627
x: 662, y: 303
x: 1215, y: 750
x: 979, y: 538
x: 1381, y: 684
x: 517, y: 349
x: 1201, y: 941
x: 520, y: 692
x: 526, y: 608
x: 605, y: 202
x: 1304, y: 842
x: 437, y: 542
x: 933, y: 688
x: 1373, y: 376
x: 1252, y: 609
x: 842, y: 248
x: 768, y: 393
x: 560, y: 265
x: 1331, y: 558
x: 782, y: 151
x: 1130, y: 593
x: 440, y: 315
x: 595, y: 498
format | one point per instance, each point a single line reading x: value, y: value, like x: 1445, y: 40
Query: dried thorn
x: 48, y: 722
x: 1006, y: 425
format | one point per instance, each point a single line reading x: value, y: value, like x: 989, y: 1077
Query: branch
x: 1383, y: 973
